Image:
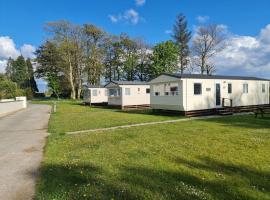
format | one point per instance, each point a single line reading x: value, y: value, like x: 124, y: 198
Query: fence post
x: 54, y: 107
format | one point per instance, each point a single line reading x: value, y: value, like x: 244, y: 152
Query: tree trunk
x: 79, y: 89
x: 73, y: 93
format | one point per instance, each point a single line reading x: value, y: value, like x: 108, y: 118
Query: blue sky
x: 247, y: 23
x: 23, y: 21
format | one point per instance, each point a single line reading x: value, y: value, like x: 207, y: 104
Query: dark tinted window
x: 197, y: 88
x: 229, y: 88
x: 147, y: 90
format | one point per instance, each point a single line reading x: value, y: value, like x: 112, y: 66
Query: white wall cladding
x: 137, y: 95
x: 207, y: 99
x: 187, y: 101
x: 95, y: 95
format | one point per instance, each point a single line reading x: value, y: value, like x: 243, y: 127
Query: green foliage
x: 164, y: 58
x: 20, y: 72
x: 94, y: 52
x: 7, y: 89
x: 31, y: 79
x: 3, y: 77
x: 130, y: 58
x: 20, y: 92
x: 9, y: 71
x: 182, y: 36
x: 49, y: 59
x: 28, y: 93
x: 54, y: 84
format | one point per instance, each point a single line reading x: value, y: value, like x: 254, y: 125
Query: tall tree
x: 9, y: 71
x: 31, y: 78
x: 130, y: 57
x: 95, y: 52
x: 164, y: 58
x: 182, y: 36
x: 209, y: 40
x: 20, y: 75
x: 49, y: 66
x: 144, y: 60
x: 62, y: 34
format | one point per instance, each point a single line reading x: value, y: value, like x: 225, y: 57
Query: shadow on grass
x: 139, y: 111
x: 245, y: 121
x: 151, y: 112
x: 138, y: 182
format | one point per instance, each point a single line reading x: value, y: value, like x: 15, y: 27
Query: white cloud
x: 114, y: 19
x: 246, y: 55
x: 129, y: 16
x: 168, y: 32
x: 8, y: 49
x: 132, y: 16
x: 140, y: 2
x: 202, y: 19
x: 28, y: 51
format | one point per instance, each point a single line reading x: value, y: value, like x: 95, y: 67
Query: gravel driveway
x: 22, y: 138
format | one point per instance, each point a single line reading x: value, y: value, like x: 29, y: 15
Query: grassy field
x: 72, y: 116
x: 222, y: 159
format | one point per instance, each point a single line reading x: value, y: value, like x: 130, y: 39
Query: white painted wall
x: 166, y: 101
x: 187, y: 101
x: 11, y: 105
x: 101, y: 95
x: 207, y: 99
x: 138, y: 95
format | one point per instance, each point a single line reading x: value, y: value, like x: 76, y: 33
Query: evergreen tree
x: 31, y: 78
x: 9, y: 68
x: 182, y: 36
x: 20, y: 75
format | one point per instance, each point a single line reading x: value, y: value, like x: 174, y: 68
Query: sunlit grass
x: 73, y: 116
x: 215, y: 159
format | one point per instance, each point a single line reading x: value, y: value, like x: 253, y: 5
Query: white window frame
x: 94, y: 92
x: 245, y: 88
x: 127, y: 91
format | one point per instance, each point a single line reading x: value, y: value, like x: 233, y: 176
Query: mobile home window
x: 147, y: 90
x: 114, y: 92
x: 174, y: 91
x: 229, y: 88
x: 197, y: 88
x: 245, y: 88
x: 263, y: 88
x: 127, y: 91
x: 94, y: 92
x: 156, y: 93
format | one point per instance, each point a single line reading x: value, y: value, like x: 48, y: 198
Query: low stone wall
x: 8, y: 106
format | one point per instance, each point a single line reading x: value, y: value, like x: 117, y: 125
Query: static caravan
x: 128, y: 94
x: 205, y: 94
x: 95, y: 95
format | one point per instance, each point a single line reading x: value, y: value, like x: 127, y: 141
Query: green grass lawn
x: 222, y: 159
x: 72, y: 116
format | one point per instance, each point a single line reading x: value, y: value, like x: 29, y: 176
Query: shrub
x: 28, y: 93
x: 7, y: 89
